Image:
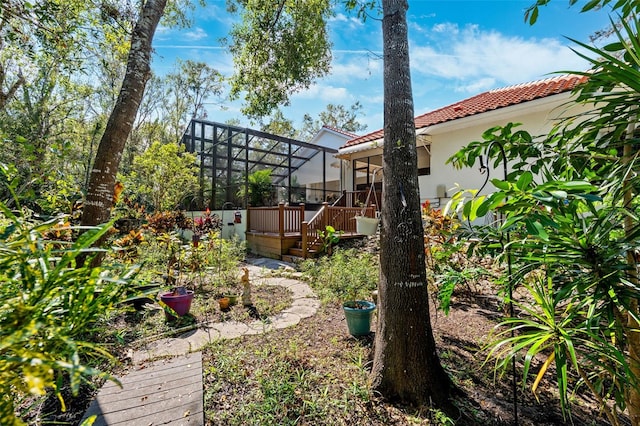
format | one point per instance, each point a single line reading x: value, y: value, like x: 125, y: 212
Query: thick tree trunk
x: 406, y: 366
x: 99, y: 200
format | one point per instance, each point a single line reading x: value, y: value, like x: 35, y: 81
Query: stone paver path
x: 170, y: 392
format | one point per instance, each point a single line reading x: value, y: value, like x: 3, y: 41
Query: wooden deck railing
x: 357, y: 198
x: 340, y: 218
x: 281, y: 219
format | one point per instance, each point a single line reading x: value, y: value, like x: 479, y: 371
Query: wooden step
x: 294, y: 251
x: 291, y: 259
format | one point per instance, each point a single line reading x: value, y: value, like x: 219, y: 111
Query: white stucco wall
x: 311, y: 171
x: 537, y: 117
x: 310, y: 174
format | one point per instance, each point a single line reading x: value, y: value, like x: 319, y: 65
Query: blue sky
x: 458, y: 48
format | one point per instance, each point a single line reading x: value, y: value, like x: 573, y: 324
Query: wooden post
x: 248, y: 218
x: 304, y: 226
x: 281, y: 218
x: 301, y: 216
x: 325, y: 216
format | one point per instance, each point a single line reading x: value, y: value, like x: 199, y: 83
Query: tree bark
x: 406, y: 366
x: 99, y: 199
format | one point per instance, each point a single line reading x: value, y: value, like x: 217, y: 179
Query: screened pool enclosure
x: 228, y: 155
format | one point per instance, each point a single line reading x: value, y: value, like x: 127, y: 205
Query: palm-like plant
x: 569, y: 205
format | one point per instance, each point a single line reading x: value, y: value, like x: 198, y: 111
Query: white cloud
x: 355, y: 68
x: 342, y: 18
x: 325, y: 93
x: 446, y: 27
x: 195, y: 34
x: 478, y: 58
x: 341, y: 23
x: 477, y: 86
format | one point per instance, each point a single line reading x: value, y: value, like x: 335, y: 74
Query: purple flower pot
x: 180, y: 303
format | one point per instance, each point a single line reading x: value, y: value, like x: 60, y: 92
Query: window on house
x: 424, y: 160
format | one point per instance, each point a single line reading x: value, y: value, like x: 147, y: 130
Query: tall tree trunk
x: 99, y: 200
x: 406, y: 367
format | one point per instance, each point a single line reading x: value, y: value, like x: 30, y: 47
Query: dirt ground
x: 482, y: 398
x: 323, y: 344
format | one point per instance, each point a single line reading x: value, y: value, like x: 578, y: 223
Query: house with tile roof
x: 321, y: 188
x: 440, y: 133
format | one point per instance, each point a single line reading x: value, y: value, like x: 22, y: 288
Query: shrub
x: 48, y: 307
x: 346, y: 275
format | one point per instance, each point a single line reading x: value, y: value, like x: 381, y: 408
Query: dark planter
x: 141, y: 295
x: 358, y: 314
x: 180, y: 303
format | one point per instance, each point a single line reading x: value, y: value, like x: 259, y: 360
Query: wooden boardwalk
x: 166, y: 392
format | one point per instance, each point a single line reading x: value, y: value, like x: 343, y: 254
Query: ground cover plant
x: 315, y: 373
x: 87, y: 340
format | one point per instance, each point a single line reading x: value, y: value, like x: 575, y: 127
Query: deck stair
x: 282, y: 231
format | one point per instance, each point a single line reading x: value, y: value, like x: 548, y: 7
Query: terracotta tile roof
x: 487, y: 101
x: 343, y: 132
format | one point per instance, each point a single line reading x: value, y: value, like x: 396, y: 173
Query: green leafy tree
x: 278, y: 48
x: 150, y: 124
x: 278, y: 124
x: 570, y: 207
x: 336, y: 116
x: 186, y: 90
x: 162, y: 177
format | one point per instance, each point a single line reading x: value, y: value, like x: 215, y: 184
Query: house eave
x: 497, y: 114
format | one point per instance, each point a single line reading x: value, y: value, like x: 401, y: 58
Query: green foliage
x: 337, y: 116
x: 624, y: 7
x: 186, y: 90
x: 49, y: 306
x: 278, y: 48
x: 162, y: 177
x: 346, y: 275
x: 329, y: 237
x: 260, y: 188
x: 570, y: 209
x: 448, y: 265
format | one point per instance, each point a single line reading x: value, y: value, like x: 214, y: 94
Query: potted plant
x: 224, y: 303
x: 178, y: 300
x: 354, y: 280
x: 367, y: 225
x: 358, y: 314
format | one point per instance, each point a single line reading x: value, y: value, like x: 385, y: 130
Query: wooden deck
x: 167, y: 392
x: 282, y: 230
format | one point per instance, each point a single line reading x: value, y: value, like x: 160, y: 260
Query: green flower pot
x: 233, y: 299
x: 358, y: 314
